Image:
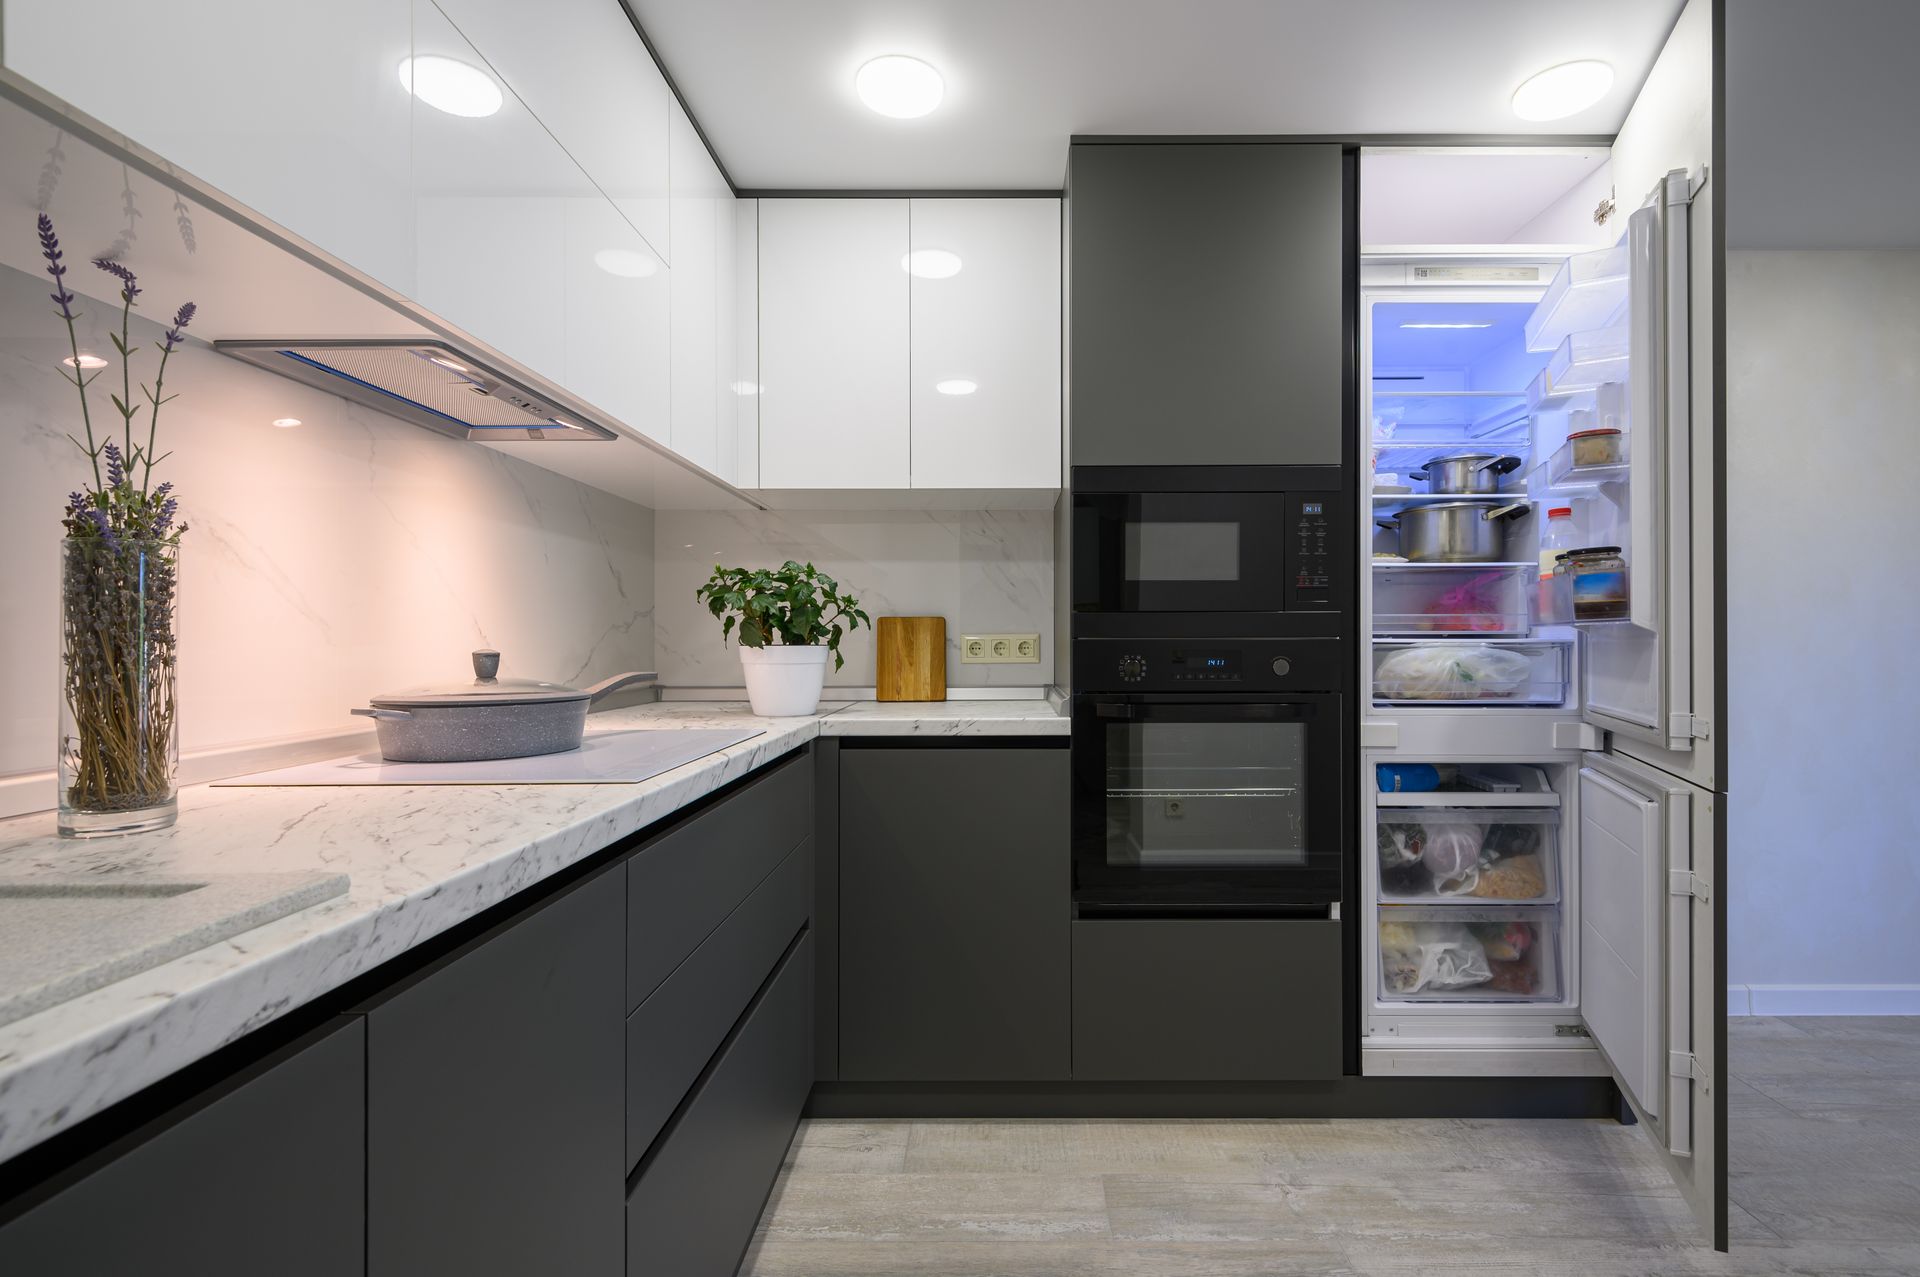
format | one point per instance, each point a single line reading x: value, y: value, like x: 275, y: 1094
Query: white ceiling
x: 771, y: 81
x: 1479, y: 197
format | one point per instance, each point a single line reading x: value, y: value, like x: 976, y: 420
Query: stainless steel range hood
x: 427, y: 383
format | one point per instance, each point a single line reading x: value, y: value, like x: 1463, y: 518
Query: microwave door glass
x: 1206, y: 795
x: 1182, y: 551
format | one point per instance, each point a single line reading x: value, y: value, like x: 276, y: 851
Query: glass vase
x: 119, y: 735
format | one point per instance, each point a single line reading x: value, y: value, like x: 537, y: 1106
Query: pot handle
x: 368, y: 712
x: 618, y: 681
x: 1391, y: 525
x: 1506, y: 511
x: 1502, y: 465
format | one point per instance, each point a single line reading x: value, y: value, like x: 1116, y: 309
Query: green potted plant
x: 788, y: 619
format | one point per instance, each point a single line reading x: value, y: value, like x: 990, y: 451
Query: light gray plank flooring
x: 1825, y: 1172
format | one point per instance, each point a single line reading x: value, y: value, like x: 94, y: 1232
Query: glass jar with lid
x: 1598, y: 576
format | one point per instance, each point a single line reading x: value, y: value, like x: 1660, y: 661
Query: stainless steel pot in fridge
x: 1466, y: 474
x: 488, y: 718
x: 1454, y: 531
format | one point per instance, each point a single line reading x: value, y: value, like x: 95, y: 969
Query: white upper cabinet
x: 581, y: 67
x: 985, y: 354
x: 296, y: 111
x: 702, y: 245
x: 740, y: 446
x: 833, y: 343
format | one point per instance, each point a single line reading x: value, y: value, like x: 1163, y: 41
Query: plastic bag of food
x: 1431, y: 957
x: 1401, y: 845
x: 1436, y: 673
x: 1451, y: 851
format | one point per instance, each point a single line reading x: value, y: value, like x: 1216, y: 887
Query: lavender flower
x: 181, y: 318
x: 116, y: 464
x: 168, y: 509
x: 104, y: 527
x: 50, y: 249
x: 129, y: 287
x: 77, y: 502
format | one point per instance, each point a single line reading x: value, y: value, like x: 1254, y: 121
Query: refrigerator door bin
x: 1457, y: 672
x: 1472, y: 598
x: 1468, y: 856
x: 1434, y: 953
x: 1587, y: 293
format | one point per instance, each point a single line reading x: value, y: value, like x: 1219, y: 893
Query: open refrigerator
x: 1535, y: 842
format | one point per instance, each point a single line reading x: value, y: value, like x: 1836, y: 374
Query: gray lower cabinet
x: 495, y: 1100
x: 265, y: 1175
x: 1206, y: 295
x: 1213, y: 1000
x: 699, y: 1194
x: 955, y: 893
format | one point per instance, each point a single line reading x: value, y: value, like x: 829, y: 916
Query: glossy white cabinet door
x: 616, y: 309
x: 696, y: 192
x: 994, y: 325
x: 740, y: 445
x: 296, y: 111
x: 580, y: 66
x: 833, y: 343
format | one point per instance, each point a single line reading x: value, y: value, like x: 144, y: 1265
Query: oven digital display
x: 1206, y: 664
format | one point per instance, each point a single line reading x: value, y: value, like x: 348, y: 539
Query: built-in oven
x: 1209, y: 776
x: 1207, y: 541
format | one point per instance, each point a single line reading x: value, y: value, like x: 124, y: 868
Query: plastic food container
x: 1437, y: 953
x: 1599, y: 447
x: 1468, y: 856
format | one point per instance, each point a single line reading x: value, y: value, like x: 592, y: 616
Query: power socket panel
x: 999, y: 649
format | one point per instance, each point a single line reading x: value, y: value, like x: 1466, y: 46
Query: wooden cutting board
x: 911, y: 661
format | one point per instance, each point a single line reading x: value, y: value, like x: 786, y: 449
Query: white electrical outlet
x: 999, y: 649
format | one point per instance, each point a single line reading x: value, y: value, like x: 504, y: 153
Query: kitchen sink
x: 61, y: 937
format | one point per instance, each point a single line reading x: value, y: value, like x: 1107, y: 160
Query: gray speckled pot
x: 490, y: 719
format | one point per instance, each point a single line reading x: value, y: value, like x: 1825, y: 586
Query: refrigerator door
x: 1649, y: 958
x: 1638, y: 672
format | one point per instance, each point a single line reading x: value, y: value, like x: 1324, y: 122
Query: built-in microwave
x: 1208, y: 541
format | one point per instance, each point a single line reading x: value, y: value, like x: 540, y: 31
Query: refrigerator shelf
x: 1498, y: 785
x: 1588, y: 291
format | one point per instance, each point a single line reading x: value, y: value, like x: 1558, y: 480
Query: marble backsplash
x: 984, y: 571
x: 347, y: 556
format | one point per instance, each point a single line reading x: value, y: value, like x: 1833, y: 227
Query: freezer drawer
x: 1437, y: 953
x: 1465, y: 856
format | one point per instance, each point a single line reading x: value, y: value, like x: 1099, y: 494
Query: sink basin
x: 62, y: 937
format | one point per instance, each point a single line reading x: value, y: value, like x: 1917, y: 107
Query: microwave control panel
x: 1313, y: 533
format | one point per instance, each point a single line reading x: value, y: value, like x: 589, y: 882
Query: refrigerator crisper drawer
x: 1489, y: 671
x: 1490, y: 599
x: 1467, y: 856
x: 1438, y: 953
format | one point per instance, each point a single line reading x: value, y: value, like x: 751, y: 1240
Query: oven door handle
x: 1113, y: 709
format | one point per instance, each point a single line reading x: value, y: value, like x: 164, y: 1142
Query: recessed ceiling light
x: 85, y: 363
x: 1558, y: 92
x: 745, y: 388
x: 450, y: 85
x: 956, y: 386
x: 902, y: 87
x: 628, y: 263
x: 931, y: 263
x: 286, y: 423
x: 1446, y: 325
x: 444, y: 362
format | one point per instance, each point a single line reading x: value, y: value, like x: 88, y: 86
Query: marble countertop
x: 420, y: 860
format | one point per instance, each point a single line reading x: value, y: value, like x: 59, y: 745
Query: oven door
x: 1179, y: 552
x: 1207, y: 802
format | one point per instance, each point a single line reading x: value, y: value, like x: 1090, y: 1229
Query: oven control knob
x: 1133, y: 668
x: 1282, y: 666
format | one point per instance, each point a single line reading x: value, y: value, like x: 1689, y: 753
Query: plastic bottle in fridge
x: 1559, y: 536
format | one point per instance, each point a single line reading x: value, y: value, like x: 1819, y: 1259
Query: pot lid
x: 485, y: 688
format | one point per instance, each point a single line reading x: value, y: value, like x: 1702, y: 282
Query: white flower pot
x: 784, y: 681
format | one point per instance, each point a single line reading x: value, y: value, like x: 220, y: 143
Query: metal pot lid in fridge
x: 486, y: 688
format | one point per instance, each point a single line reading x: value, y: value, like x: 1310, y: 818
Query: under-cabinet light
x: 450, y: 85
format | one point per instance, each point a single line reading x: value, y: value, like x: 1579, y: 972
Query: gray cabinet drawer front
x: 681, y: 886
x: 1226, y: 1000
x: 698, y: 1199
x: 677, y: 1029
x: 223, y: 1191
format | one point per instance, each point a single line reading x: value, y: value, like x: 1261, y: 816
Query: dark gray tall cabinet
x: 1206, y: 297
x: 954, y: 898
x: 496, y: 1100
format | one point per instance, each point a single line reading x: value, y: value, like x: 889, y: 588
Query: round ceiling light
x: 957, y: 386
x: 450, y: 85
x: 898, y: 86
x: 627, y: 263
x: 1558, y: 92
x: 931, y: 263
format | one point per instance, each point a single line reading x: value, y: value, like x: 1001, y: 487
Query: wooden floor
x: 1825, y: 1172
